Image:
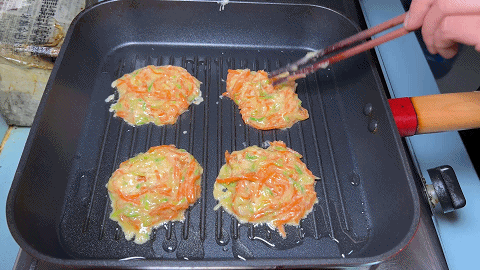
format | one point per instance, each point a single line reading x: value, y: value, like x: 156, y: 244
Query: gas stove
x: 408, y: 74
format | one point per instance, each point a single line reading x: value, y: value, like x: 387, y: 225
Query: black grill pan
x: 58, y: 206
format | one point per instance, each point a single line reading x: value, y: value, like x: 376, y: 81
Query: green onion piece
x: 257, y: 119
x: 182, y: 201
x: 299, y: 187
x: 299, y: 171
x: 279, y: 162
x: 131, y: 214
x: 146, y: 203
x: 135, y: 74
x: 116, y: 213
x: 250, y: 157
x: 141, y: 120
x: 116, y: 106
x: 150, y: 87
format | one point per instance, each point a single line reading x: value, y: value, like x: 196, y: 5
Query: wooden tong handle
x: 436, y: 113
x: 303, y: 72
x: 366, y: 33
x: 340, y: 45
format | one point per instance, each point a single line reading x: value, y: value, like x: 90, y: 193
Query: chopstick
x: 295, y: 71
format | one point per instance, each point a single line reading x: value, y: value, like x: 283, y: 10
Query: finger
x: 428, y: 41
x: 430, y: 25
x: 441, y: 39
x: 448, y: 52
x: 444, y: 45
x: 463, y: 29
x: 460, y: 7
x: 453, y: 29
x: 416, y: 14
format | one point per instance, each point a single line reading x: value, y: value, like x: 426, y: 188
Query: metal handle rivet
x: 373, y: 125
x: 368, y: 109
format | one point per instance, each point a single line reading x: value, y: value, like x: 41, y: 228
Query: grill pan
x: 57, y: 208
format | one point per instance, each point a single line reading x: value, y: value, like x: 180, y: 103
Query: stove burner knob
x: 445, y: 189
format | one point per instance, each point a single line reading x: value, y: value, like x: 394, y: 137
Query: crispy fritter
x: 271, y: 186
x: 155, y: 94
x: 153, y: 188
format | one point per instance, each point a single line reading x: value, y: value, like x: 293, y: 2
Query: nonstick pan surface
x: 58, y: 205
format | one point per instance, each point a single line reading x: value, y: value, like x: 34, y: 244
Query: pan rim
x: 205, y: 263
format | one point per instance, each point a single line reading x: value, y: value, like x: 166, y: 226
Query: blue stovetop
x: 408, y: 74
x: 9, y: 158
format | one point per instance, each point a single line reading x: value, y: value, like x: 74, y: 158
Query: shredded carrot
x: 266, y: 186
x: 262, y: 105
x: 155, y: 94
x: 152, y: 188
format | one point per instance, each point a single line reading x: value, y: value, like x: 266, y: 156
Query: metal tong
x: 302, y: 68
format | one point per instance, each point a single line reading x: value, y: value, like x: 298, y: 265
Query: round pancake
x: 155, y: 94
x: 271, y: 186
x: 153, y: 188
x: 262, y: 105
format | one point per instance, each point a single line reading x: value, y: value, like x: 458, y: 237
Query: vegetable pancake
x: 271, y: 186
x: 155, y: 94
x: 153, y: 188
x: 262, y: 105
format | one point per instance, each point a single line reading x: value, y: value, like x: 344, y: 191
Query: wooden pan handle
x: 436, y: 113
x: 445, y: 112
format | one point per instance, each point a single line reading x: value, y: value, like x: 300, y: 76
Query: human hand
x: 445, y: 23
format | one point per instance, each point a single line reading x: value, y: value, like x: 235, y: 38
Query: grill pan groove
x: 219, y: 232
x: 114, y: 167
x: 133, y: 141
x: 319, y: 161
x: 205, y: 147
x: 331, y: 155
x: 97, y: 171
x: 234, y: 110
